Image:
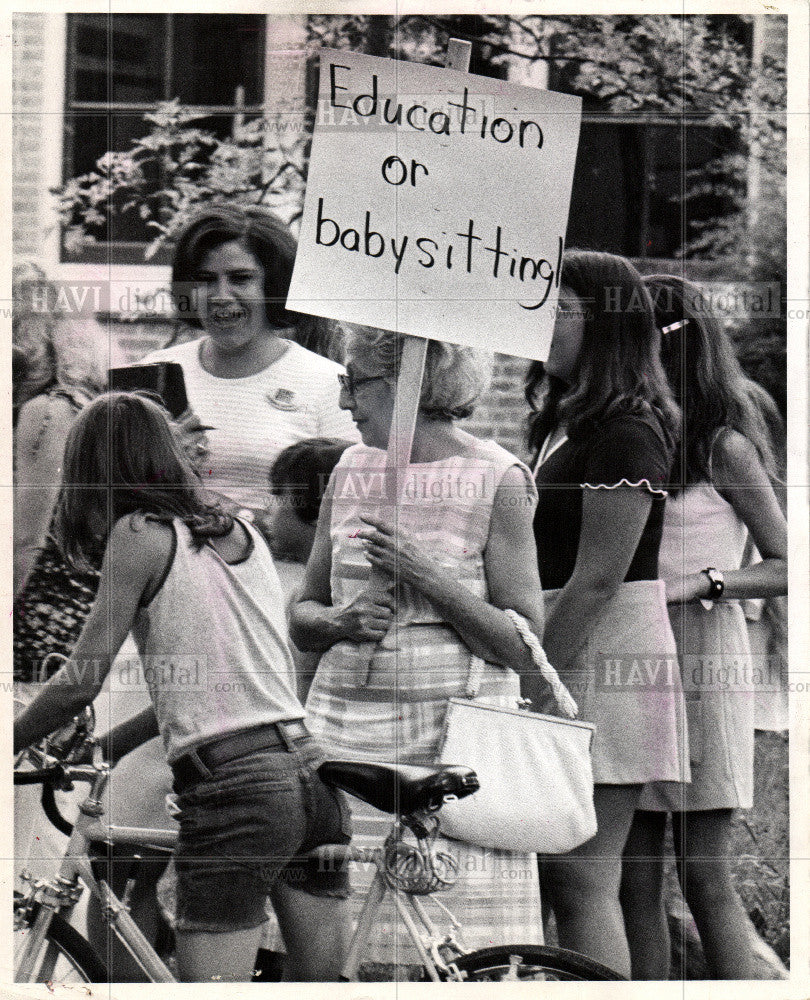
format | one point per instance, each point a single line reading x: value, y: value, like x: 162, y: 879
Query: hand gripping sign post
x: 436, y: 206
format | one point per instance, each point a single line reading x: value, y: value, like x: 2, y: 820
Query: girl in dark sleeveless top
x: 603, y: 435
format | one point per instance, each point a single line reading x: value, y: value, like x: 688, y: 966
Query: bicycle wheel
x: 524, y: 962
x: 65, y: 956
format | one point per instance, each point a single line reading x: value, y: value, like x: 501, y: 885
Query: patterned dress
x: 388, y: 701
x: 50, y: 612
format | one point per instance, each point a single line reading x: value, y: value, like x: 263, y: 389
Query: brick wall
x: 28, y: 81
x: 502, y: 413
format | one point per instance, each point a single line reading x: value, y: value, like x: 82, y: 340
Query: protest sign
x: 436, y: 203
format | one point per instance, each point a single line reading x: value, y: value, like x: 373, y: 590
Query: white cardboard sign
x: 436, y: 203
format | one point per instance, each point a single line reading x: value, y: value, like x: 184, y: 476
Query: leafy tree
x: 176, y: 167
x: 695, y: 66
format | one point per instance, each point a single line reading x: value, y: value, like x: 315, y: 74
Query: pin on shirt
x: 282, y: 399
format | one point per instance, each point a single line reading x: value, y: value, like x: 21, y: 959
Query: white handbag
x: 535, y: 770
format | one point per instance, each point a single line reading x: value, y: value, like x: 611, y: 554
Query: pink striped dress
x: 388, y: 701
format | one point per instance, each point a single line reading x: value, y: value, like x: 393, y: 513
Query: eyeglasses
x: 350, y: 384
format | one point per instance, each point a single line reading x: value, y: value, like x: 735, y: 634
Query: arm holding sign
x: 315, y: 624
x: 511, y: 571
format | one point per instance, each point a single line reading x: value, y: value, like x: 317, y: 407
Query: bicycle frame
x: 62, y: 895
x: 409, y: 906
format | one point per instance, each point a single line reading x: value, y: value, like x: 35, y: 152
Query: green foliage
x: 176, y: 167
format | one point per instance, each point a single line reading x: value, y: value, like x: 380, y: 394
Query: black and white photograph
x: 406, y: 496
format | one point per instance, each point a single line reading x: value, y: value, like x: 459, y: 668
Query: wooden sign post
x: 409, y: 382
x: 414, y: 354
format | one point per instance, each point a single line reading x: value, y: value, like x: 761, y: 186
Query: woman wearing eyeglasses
x: 456, y: 549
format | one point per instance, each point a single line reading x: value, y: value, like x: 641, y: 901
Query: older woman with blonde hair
x: 457, y: 550
x: 61, y: 364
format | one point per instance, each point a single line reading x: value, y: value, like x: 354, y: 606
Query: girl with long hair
x: 198, y: 589
x: 603, y: 435
x: 722, y: 498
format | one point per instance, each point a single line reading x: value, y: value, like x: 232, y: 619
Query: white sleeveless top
x: 700, y: 529
x: 214, y: 646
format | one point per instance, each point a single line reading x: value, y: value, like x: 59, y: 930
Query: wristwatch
x: 716, y: 588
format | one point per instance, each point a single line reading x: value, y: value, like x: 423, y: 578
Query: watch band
x: 716, y: 581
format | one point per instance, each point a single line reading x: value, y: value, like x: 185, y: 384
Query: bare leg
x: 642, y: 897
x: 584, y: 884
x: 218, y: 958
x: 316, y: 933
x: 702, y: 847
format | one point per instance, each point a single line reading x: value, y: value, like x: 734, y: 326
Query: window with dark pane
x: 636, y: 187
x: 119, y: 66
x: 216, y: 54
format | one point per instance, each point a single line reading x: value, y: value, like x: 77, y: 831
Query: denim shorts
x: 240, y: 832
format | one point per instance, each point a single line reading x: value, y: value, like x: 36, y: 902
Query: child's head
x: 298, y: 478
x: 121, y: 456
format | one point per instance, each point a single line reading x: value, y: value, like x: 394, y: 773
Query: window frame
x: 131, y: 252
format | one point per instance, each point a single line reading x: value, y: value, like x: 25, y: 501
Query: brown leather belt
x: 198, y: 764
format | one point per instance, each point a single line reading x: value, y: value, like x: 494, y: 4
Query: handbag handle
x: 565, y: 700
x: 563, y: 697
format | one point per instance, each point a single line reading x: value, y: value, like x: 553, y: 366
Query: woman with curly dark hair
x: 249, y: 381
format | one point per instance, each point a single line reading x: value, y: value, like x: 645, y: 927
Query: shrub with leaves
x: 177, y: 166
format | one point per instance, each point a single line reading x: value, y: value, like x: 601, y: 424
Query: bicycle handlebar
x: 56, y: 774
x: 51, y: 810
x: 50, y: 777
x: 42, y: 776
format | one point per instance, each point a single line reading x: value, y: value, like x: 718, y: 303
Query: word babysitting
x: 489, y: 253
x: 471, y: 120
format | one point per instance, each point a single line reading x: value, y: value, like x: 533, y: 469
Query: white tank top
x: 701, y: 529
x: 214, y: 645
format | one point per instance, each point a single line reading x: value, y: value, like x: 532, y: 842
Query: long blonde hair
x: 59, y: 350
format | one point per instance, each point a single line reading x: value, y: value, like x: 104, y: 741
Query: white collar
x: 546, y: 452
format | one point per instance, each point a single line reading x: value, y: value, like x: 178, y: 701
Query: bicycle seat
x: 400, y: 788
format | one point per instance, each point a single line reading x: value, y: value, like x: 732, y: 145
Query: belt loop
x: 194, y: 758
x: 281, y: 728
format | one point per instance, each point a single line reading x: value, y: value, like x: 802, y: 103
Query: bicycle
x: 50, y: 949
